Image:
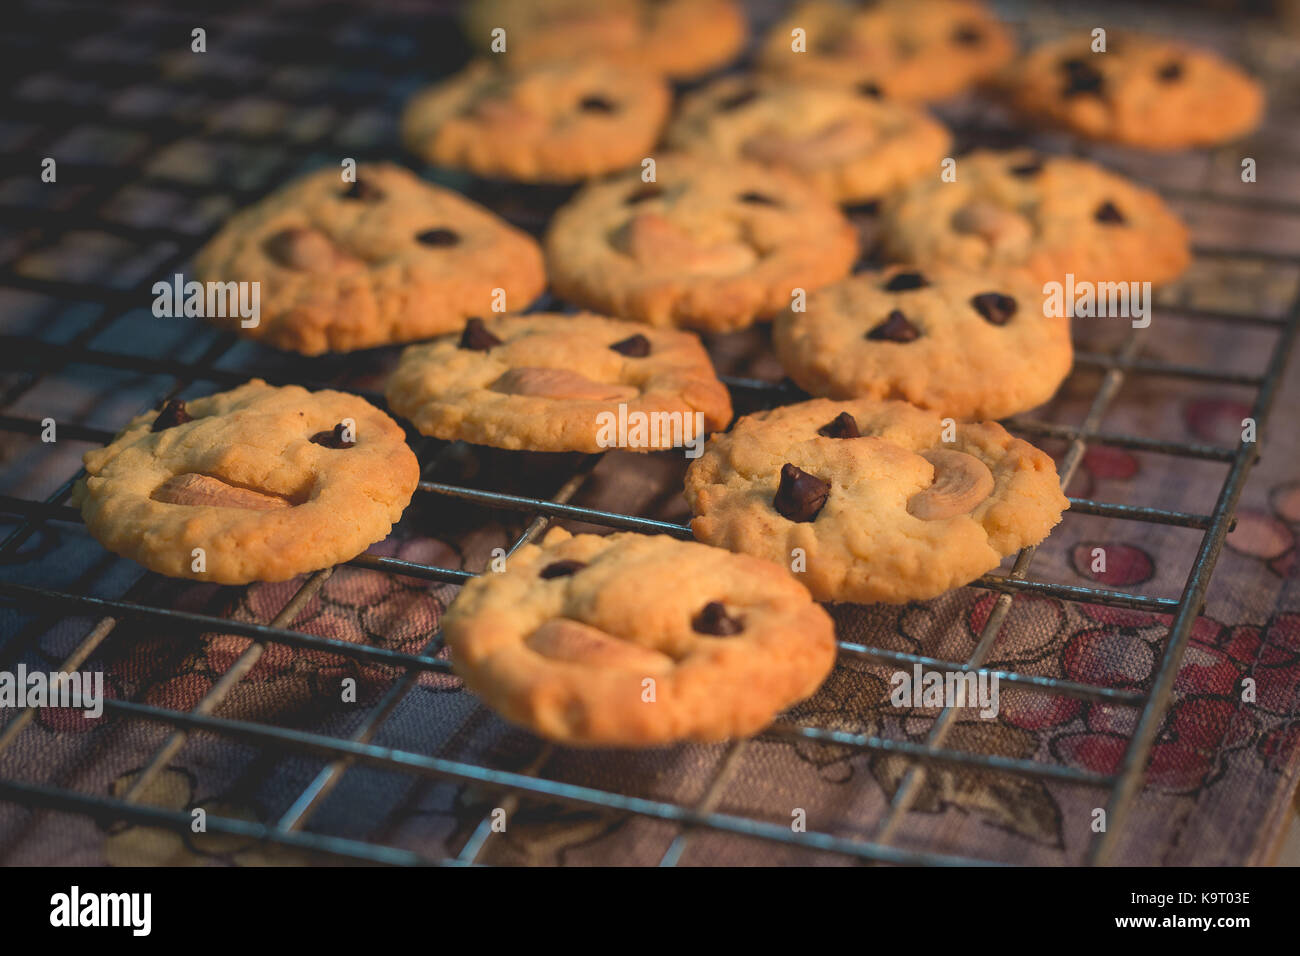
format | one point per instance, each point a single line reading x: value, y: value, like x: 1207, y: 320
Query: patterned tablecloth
x: 1222, y: 772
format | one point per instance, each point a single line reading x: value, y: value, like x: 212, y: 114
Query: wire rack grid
x: 34, y: 359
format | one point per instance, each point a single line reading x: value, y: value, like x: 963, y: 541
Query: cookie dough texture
x: 866, y: 544
x: 852, y: 146
x: 389, y: 258
x: 905, y: 49
x: 545, y: 385
x: 551, y: 122
x: 709, y: 245
x: 312, y: 506
x: 682, y: 38
x: 1142, y: 91
x: 568, y: 655
x: 1045, y: 216
x: 980, y: 346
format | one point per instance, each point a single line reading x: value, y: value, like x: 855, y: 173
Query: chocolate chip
x: 562, y: 569
x: 1080, y: 77
x: 842, y: 425
x: 994, y: 307
x: 872, y: 90
x: 648, y: 191
x: 800, y: 496
x: 438, y: 237
x: 759, y: 199
x: 364, y: 190
x: 634, y: 346
x: 714, y: 620
x: 869, y: 208
x: 968, y: 35
x: 1171, y: 71
x: 334, y: 438
x: 736, y: 100
x: 172, y: 414
x: 477, y: 337
x: 1107, y: 212
x: 596, y: 104
x: 895, y: 328
x: 906, y: 282
x: 1024, y: 170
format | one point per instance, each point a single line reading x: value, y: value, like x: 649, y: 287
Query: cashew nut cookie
x: 681, y: 38
x: 960, y: 343
x: 550, y: 382
x: 552, y: 122
x: 1143, y: 91
x: 903, y: 49
x: 387, y: 258
x: 864, y: 501
x: 710, y: 244
x: 638, y: 640
x: 269, y: 483
x: 851, y: 146
x: 1044, y: 215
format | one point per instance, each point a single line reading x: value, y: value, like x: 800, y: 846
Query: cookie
x: 1143, y: 91
x: 903, y: 49
x: 864, y: 501
x: 550, y: 382
x: 552, y: 122
x: 269, y: 482
x: 681, y: 38
x: 387, y: 258
x: 851, y: 146
x: 710, y: 244
x: 637, y: 640
x: 1044, y: 215
x: 961, y: 343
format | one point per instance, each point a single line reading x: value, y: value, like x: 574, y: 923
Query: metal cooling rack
x: 59, y: 34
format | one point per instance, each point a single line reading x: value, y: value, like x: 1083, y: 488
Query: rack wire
x: 33, y: 41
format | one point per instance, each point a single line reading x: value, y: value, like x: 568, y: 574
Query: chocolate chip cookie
x: 549, y: 382
x: 387, y: 258
x: 636, y: 640
x: 255, y: 484
x: 682, y: 38
x: 864, y: 500
x: 550, y: 122
x: 1044, y: 215
x: 1142, y: 91
x: 851, y: 146
x: 710, y: 244
x: 904, y: 49
x: 961, y: 343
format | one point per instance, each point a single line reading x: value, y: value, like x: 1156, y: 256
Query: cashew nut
x: 961, y: 482
x: 836, y: 143
x: 563, y: 639
x: 655, y: 240
x: 559, y: 383
x: 308, y: 250
x: 195, y: 489
x: 1002, y: 228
